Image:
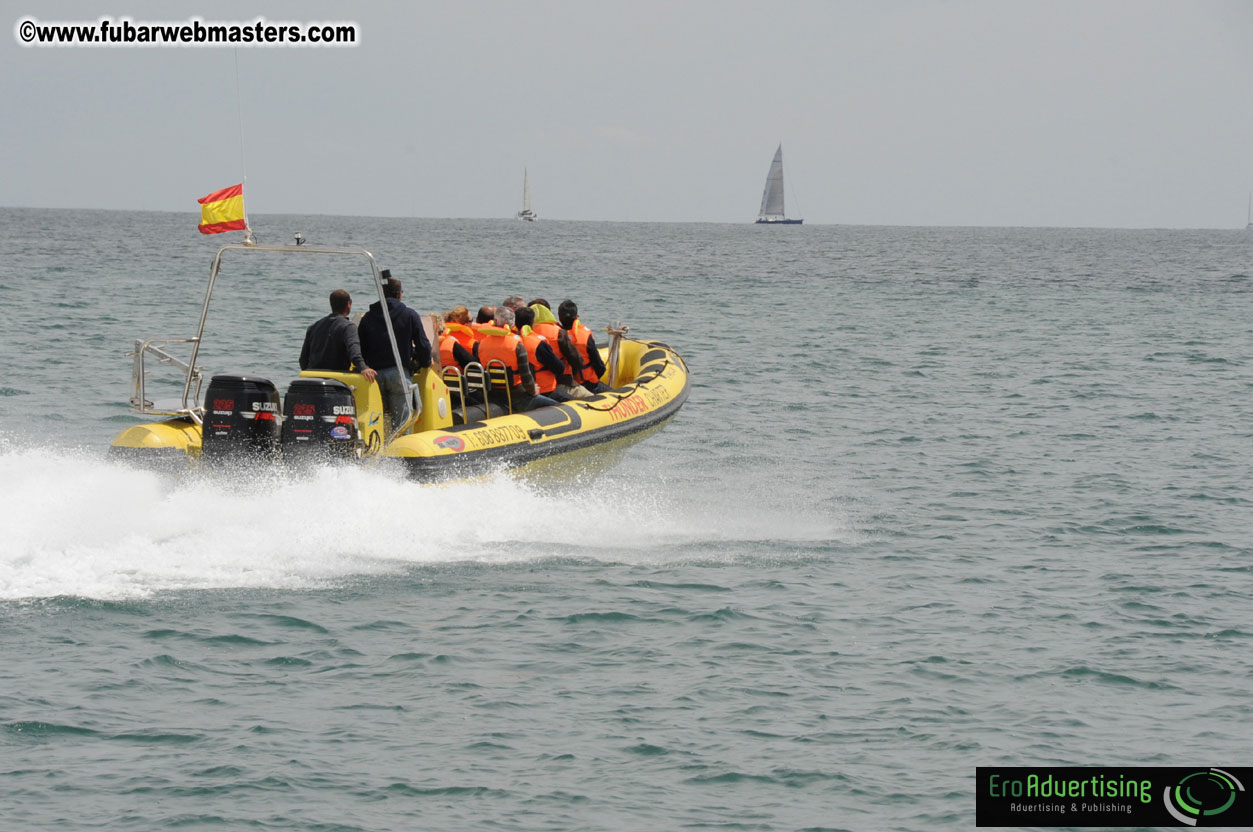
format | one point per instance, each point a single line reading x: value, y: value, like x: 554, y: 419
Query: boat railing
x: 495, y: 376
x: 412, y: 402
x: 194, y: 377
x: 617, y: 331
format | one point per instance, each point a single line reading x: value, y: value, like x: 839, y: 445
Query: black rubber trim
x: 471, y: 462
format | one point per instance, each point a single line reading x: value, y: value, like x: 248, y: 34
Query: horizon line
x: 647, y: 222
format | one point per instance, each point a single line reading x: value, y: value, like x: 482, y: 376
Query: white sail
x: 526, y: 213
x: 772, y: 196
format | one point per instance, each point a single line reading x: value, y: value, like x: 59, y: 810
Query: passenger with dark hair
x: 331, y: 343
x: 376, y: 346
x: 544, y: 363
x: 482, y: 319
x: 591, y: 366
x: 559, y: 341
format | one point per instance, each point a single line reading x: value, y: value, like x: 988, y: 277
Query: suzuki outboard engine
x: 240, y: 419
x: 320, y: 421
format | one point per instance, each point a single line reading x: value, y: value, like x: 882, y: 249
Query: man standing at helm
x: 415, y: 349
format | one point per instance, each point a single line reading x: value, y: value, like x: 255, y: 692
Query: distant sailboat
x: 1249, y: 221
x: 526, y: 213
x: 772, y: 197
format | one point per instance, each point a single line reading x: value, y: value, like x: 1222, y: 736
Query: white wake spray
x: 73, y: 524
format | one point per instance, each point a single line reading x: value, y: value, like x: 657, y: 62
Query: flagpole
x: 243, y: 159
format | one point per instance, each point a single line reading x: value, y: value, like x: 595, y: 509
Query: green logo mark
x: 1202, y: 795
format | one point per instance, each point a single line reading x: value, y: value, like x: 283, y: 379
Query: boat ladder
x: 139, y: 374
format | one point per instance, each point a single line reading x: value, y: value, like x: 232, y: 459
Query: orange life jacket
x: 549, y: 330
x: 543, y: 376
x: 500, y: 344
x: 479, y: 327
x: 454, y: 334
x: 578, y: 336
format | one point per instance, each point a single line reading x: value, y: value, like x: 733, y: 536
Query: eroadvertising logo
x: 1204, y: 796
x: 1113, y: 796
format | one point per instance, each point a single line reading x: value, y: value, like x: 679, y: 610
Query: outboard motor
x: 240, y: 419
x: 320, y: 421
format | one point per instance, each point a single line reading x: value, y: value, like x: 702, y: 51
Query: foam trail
x: 75, y: 525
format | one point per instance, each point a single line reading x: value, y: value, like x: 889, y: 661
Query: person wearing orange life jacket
x: 559, y: 340
x: 544, y: 362
x: 456, y: 350
x: 456, y: 344
x: 592, y: 367
x: 545, y: 321
x: 484, y: 318
x: 499, y: 343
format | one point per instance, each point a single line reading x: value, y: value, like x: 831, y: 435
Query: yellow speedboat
x: 242, y: 419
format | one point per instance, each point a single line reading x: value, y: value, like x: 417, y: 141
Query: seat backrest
x: 475, y: 377
x: 501, y: 378
x: 453, y: 380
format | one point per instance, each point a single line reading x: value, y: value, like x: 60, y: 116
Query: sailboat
x: 1249, y: 221
x: 772, y: 197
x: 526, y: 213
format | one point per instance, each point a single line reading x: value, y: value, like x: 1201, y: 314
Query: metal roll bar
x: 410, y: 413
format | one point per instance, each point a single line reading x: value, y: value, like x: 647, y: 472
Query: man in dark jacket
x: 331, y: 343
x: 415, y: 349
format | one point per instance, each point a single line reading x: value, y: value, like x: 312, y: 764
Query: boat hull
x: 650, y: 386
x: 779, y: 222
x: 653, y: 387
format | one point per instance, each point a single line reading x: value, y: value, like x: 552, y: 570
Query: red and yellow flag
x: 223, y: 211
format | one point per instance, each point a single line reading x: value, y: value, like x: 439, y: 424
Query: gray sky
x: 1126, y: 113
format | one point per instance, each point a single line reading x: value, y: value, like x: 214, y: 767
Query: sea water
x: 939, y: 498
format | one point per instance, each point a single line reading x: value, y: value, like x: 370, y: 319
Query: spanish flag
x: 223, y: 211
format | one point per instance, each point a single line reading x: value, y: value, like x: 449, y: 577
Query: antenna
x: 243, y: 160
